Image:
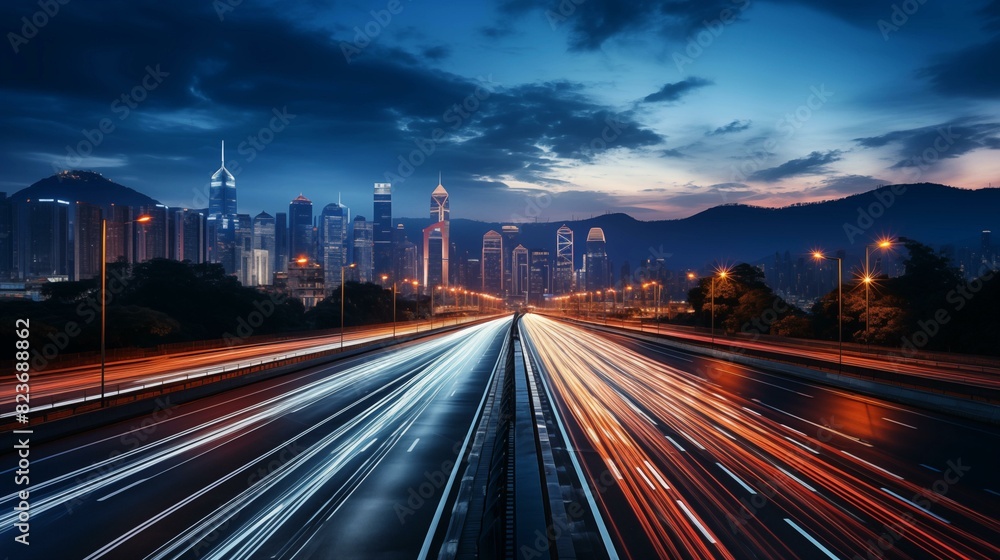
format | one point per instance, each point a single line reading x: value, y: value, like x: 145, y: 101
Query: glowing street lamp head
x: 817, y: 255
x: 884, y: 244
x: 867, y: 279
x: 144, y: 218
x: 723, y: 273
x: 691, y: 276
x: 302, y: 260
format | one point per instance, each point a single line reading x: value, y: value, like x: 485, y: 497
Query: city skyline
x: 544, y: 114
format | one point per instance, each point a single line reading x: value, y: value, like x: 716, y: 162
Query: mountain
x: 84, y: 186
x: 930, y: 213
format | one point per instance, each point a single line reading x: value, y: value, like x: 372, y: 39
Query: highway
x: 71, y: 385
x: 692, y: 457
x: 932, y: 374
x: 341, y: 461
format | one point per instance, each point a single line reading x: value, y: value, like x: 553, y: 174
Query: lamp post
x: 342, y: 294
x: 416, y: 295
x: 818, y: 255
x: 722, y: 275
x: 104, y: 289
x: 868, y: 278
x: 384, y: 278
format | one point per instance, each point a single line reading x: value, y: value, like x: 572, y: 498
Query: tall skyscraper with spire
x: 222, y: 194
x: 437, y: 239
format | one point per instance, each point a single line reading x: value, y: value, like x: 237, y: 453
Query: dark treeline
x: 163, y: 301
x: 929, y: 307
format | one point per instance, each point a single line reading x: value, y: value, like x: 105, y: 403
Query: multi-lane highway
x: 692, y: 457
x: 342, y: 461
x: 938, y: 373
x: 56, y: 387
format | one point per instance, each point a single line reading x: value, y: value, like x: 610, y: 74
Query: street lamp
x: 818, y: 255
x: 868, y: 278
x: 384, y: 278
x: 342, y: 293
x: 722, y: 276
x: 143, y: 218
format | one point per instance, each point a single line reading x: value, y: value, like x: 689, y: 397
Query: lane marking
x: 991, y: 492
x: 796, y: 479
x: 696, y: 522
x: 930, y: 468
x: 737, y: 479
x: 796, y: 431
x: 614, y: 469
x: 677, y: 445
x: 900, y: 423
x: 116, y: 492
x: 927, y: 511
x: 750, y: 411
x: 646, y: 478
x: 412, y: 445
x: 657, y: 475
x: 872, y: 465
x: 691, y: 439
x: 803, y: 446
x: 821, y: 427
x: 811, y: 539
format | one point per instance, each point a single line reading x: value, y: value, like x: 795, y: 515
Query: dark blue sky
x: 655, y: 108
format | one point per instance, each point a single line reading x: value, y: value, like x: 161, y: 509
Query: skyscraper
x: 243, y: 249
x: 492, y: 263
x: 187, y: 236
x: 519, y: 272
x: 151, y: 239
x: 264, y: 240
x: 333, y: 242
x: 6, y: 237
x: 42, y: 245
x: 222, y: 194
x: 363, y: 249
x: 563, y: 281
x: 539, y: 275
x: 437, y: 240
x: 86, y: 241
x: 596, y: 264
x: 382, y: 232
x: 511, y: 235
x: 281, y: 242
x: 406, y: 263
x: 300, y: 217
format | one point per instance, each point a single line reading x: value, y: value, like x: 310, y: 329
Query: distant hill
x: 84, y: 186
x: 930, y: 213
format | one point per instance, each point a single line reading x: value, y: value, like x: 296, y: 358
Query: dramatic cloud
x: 926, y: 145
x: 674, y: 91
x: 815, y: 162
x: 735, y: 126
x: 845, y: 185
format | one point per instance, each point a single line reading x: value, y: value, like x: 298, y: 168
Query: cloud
x: 946, y: 140
x: 594, y: 22
x: 735, y: 126
x: 845, y: 185
x: 970, y: 72
x: 672, y: 92
x: 436, y: 53
x: 815, y: 162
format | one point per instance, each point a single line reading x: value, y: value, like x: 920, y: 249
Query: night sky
x: 654, y: 108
